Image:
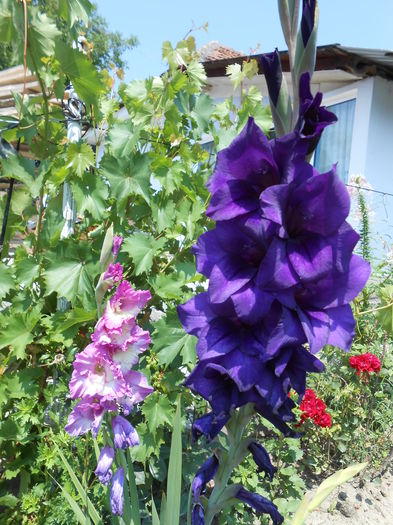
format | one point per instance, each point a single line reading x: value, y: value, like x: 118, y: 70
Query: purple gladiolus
x: 260, y: 504
x: 86, y: 415
x: 124, y: 434
x: 203, y: 476
x: 262, y: 459
x: 313, y: 118
x: 198, y: 515
x: 103, y: 470
x: 117, y: 241
x: 113, y: 274
x: 125, y: 303
x: 271, y: 65
x: 308, y: 20
x: 281, y: 274
x: 117, y: 494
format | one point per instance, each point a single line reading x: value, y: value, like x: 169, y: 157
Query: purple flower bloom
x: 113, y: 274
x: 117, y: 241
x: 198, y: 516
x: 281, y: 274
x: 313, y: 118
x: 307, y: 23
x: 117, y: 494
x: 125, y: 303
x: 103, y: 470
x: 124, y: 434
x: 206, y: 473
x: 260, y: 504
x: 131, y: 340
x: 137, y: 386
x: 248, y: 166
x: 271, y: 65
x: 241, y: 363
x: 95, y: 375
x: 86, y: 415
x: 262, y: 459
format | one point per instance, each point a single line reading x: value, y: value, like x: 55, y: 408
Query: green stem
x: 228, y: 461
x: 121, y: 460
x: 372, y: 310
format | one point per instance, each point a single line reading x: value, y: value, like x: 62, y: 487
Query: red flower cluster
x: 314, y: 408
x: 365, y: 363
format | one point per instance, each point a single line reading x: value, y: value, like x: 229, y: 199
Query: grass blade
x: 175, y: 471
x: 135, y: 513
x: 79, y: 514
x: 154, y: 513
x: 189, y: 504
x: 163, y: 516
x: 80, y: 490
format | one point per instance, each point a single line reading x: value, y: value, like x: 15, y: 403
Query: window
x: 335, y: 143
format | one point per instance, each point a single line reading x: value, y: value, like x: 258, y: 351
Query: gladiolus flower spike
x: 282, y: 274
x: 104, y: 378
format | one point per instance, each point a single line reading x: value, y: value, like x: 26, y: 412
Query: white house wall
x: 379, y: 157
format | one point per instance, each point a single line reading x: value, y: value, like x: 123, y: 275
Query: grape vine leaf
x: 142, y: 248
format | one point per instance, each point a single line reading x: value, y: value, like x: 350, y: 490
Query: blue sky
x: 240, y: 24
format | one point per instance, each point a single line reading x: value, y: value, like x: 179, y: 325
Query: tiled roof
x: 215, y: 51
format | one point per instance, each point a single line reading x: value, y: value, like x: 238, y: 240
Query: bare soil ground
x: 354, y: 503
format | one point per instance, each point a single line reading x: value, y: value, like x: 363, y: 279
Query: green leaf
x: 234, y: 71
x: 163, y: 511
x: 6, y: 280
x: 17, y: 334
x: 170, y: 339
x: 135, y: 513
x: 81, y: 72
x: 175, y: 471
x: 7, y: 29
x: 127, y: 178
x: 79, y: 515
x: 158, y: 411
x: 80, y: 156
x: 142, y: 248
x: 75, y: 10
x: 22, y: 170
x: 202, y: 112
x: 385, y: 315
x: 90, y: 194
x: 169, y: 286
x: 324, y: 489
x: 81, y: 491
x: 27, y: 270
x: 23, y: 383
x: 123, y: 138
x: 41, y: 36
x: 155, y: 518
x: 70, y: 279
x: 9, y: 500
x: 196, y: 72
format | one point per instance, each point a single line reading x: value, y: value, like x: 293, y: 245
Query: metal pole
x: 73, y: 112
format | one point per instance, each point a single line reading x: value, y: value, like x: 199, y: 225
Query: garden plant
x: 159, y: 362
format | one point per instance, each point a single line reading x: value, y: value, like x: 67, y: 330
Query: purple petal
x: 124, y: 434
x: 103, y: 470
x: 271, y: 65
x: 205, y: 473
x: 262, y: 459
x: 260, y: 504
x: 117, y: 494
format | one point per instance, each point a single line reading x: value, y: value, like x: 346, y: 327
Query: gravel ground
x: 353, y: 504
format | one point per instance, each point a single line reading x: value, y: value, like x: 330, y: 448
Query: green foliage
x: 70, y: 17
x: 150, y: 186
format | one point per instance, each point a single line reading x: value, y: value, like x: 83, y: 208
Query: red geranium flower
x: 314, y: 408
x: 365, y: 363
